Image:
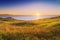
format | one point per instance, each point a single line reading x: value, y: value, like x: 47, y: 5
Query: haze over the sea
x: 30, y: 7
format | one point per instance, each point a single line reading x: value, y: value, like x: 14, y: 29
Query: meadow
x: 41, y: 29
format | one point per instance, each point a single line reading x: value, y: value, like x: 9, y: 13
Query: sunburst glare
x: 37, y: 15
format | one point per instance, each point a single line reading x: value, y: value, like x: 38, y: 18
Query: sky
x: 30, y: 7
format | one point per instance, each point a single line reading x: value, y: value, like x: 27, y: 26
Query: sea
x: 28, y: 17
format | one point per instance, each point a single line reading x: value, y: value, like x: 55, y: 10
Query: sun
x: 37, y: 14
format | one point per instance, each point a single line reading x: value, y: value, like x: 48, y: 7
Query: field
x: 41, y: 29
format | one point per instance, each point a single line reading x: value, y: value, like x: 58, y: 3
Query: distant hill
x: 48, y: 21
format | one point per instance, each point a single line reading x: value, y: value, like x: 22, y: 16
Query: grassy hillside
x: 42, y: 29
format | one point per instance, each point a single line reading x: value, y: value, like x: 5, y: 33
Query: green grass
x: 41, y: 29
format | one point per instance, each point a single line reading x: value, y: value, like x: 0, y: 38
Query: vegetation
x: 42, y: 29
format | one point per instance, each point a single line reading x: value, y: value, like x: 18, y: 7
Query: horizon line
x: 25, y: 15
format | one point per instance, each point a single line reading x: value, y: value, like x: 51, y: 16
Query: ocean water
x: 27, y: 17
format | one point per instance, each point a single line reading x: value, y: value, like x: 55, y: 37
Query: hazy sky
x: 30, y: 7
